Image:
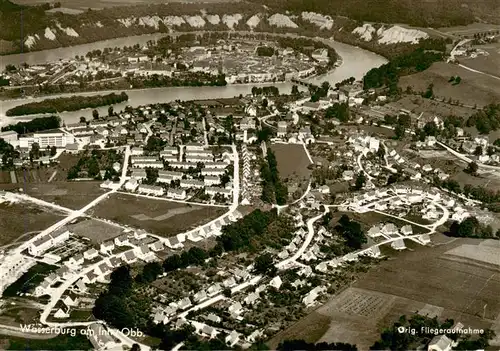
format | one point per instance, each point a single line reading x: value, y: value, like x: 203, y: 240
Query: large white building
x: 10, y: 137
x: 52, y: 138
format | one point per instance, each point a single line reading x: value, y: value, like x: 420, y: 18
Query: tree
x: 400, y: 131
x: 121, y: 281
x: 295, y: 90
x: 265, y: 103
x: 264, y: 264
x: 472, y: 168
x: 53, y: 151
x: 429, y: 93
x: 360, y: 181
x: 478, y: 151
x: 110, y: 111
x: 95, y: 114
x: 83, y: 120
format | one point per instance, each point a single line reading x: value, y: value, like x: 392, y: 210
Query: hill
x: 427, y: 13
x: 30, y: 28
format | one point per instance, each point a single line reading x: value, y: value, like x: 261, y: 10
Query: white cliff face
x: 391, y: 35
x: 31, y: 40
x: 397, y: 34
x: 213, y: 19
x: 253, y: 21
x: 365, y: 31
x: 323, y: 22
x: 150, y: 21
x: 232, y: 20
x: 195, y: 21
x: 280, y: 20
x: 127, y: 22
x: 68, y: 30
x: 49, y: 34
x: 173, y: 21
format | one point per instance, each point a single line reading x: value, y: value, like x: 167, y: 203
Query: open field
x: 489, y: 64
x: 95, y: 230
x: 474, y: 88
x: 60, y: 342
x: 424, y: 280
x: 19, y: 219
x: 154, y: 215
x: 74, y: 195
x: 418, y: 104
x: 292, y: 160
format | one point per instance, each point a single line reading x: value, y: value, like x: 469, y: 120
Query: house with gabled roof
x: 214, y: 289
x: 114, y: 262
x: 90, y: 277
x: 251, y: 298
x: 398, y: 244
x: 407, y: 229
x: 276, y: 282
x: 156, y: 246
x: 229, y: 282
x: 233, y: 338
x: 107, y: 246
x: 208, y: 332
x: 173, y: 243
x: 90, y: 254
x: 129, y: 256
x: 199, y: 296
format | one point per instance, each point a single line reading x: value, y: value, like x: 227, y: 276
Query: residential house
x: 90, y: 254
x: 235, y: 308
x: 399, y: 244
x: 151, y: 190
x: 440, y: 343
x: 311, y: 297
x: 276, y: 282
x: 129, y: 257
x: 407, y: 230
x: 214, y: 289
x: 209, y: 332
x: 101, y: 339
x: 178, y: 194
x: 233, y: 338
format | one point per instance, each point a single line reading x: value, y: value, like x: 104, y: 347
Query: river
x: 355, y: 63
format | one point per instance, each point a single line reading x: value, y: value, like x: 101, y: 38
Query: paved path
x: 480, y: 72
x: 467, y: 159
x: 310, y: 234
x: 171, y: 200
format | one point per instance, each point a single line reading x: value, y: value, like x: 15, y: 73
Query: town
x: 346, y: 210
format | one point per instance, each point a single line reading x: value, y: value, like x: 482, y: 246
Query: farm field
x: 73, y: 195
x: 292, y: 160
x: 19, y: 219
x: 474, y: 88
x: 426, y: 280
x: 54, y: 173
x: 160, y: 217
x: 418, y: 104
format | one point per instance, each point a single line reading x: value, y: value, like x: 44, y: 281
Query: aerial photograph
x: 291, y: 175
